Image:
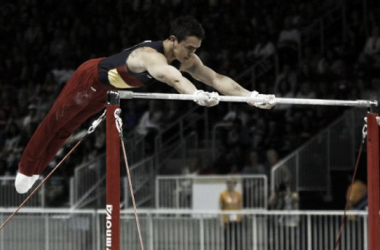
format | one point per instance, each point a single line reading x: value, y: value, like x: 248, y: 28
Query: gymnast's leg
x: 77, y: 99
x: 66, y: 132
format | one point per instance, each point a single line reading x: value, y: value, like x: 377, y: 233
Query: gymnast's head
x: 231, y: 184
x: 186, y: 35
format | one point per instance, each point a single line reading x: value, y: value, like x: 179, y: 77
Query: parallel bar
x: 373, y: 182
x: 162, y: 96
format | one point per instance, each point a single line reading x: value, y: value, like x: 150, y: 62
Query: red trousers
x: 82, y: 97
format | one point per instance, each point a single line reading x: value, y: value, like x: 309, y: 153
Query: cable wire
x: 343, y: 220
x: 119, y: 126
x: 42, y: 182
x: 90, y: 131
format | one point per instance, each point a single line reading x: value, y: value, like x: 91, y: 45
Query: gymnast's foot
x: 23, y: 183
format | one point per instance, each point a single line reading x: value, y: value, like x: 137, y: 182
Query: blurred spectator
x: 288, y: 42
x: 305, y: 73
x: 184, y: 189
x: 150, y: 120
x: 62, y: 72
x: 235, y: 134
x: 252, y: 188
x: 326, y: 63
x: 273, y: 138
x: 310, y: 58
x: 283, y: 177
x: 231, y: 200
x: 324, y: 91
x: 289, y: 76
x: 290, y: 138
x: 13, y: 134
x: 253, y: 166
x: 283, y: 89
x: 263, y: 49
x: 305, y: 130
x: 370, y: 55
x: 57, y: 191
x: 3, y: 170
x: 286, y: 200
x: 231, y: 160
x: 236, y: 112
x: 306, y: 91
x: 130, y: 115
x: 357, y: 195
x: 173, y: 112
x: 31, y: 117
x: 150, y: 125
x: 3, y: 126
x: 257, y: 130
x: 371, y: 90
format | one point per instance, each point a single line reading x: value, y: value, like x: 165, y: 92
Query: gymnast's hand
x: 270, y: 100
x: 213, y: 98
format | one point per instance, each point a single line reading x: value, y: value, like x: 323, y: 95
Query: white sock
x: 35, y: 178
x: 23, y: 183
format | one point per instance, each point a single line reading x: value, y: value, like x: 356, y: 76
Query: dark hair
x: 185, y: 26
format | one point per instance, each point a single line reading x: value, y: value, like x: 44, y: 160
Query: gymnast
x: 85, y: 93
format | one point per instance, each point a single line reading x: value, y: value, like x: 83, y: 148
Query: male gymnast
x: 84, y: 94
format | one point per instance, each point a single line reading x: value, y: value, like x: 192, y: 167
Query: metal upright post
x: 113, y: 175
x: 373, y: 182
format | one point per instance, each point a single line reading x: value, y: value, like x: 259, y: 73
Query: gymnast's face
x: 185, y: 49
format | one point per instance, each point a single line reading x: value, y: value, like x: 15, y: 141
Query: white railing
x: 85, y: 185
x: 184, y: 229
x: 332, y: 149
x: 144, y: 172
x: 180, y: 151
x: 142, y: 175
x: 181, y: 191
x: 136, y: 147
x: 10, y: 198
x: 178, y: 130
x: 40, y: 229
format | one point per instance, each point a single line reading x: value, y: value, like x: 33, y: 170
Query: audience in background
x: 370, y: 56
x: 42, y: 49
x: 254, y: 165
x: 356, y: 196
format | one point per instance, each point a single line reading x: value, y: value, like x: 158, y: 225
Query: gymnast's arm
x: 223, y: 84
x: 147, y: 59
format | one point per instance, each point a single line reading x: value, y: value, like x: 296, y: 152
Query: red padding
x: 373, y: 182
x: 113, y: 182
